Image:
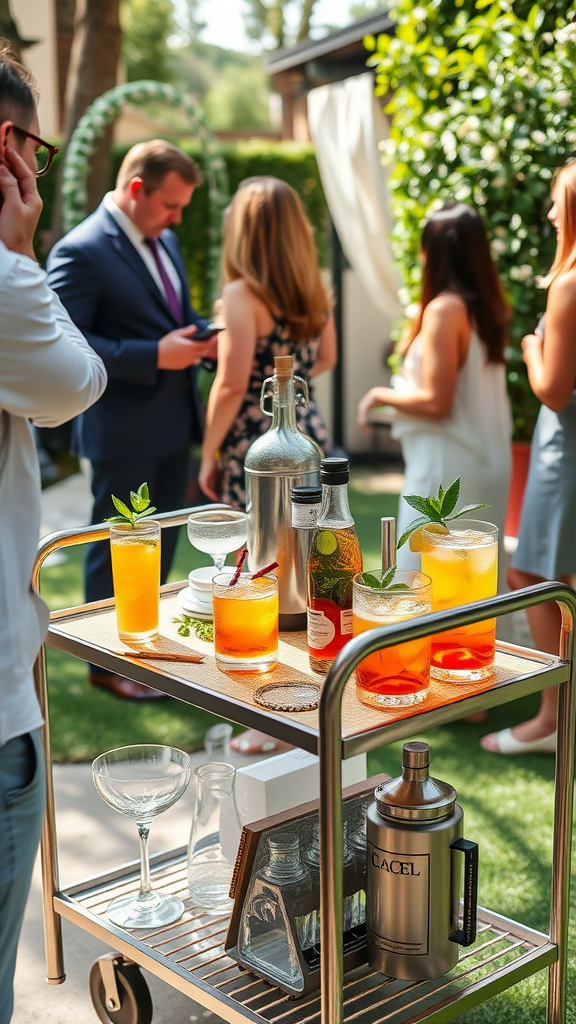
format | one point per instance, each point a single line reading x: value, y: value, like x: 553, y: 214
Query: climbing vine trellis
x: 92, y: 126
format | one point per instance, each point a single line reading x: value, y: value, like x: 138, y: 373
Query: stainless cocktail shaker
x: 279, y: 460
x: 414, y: 848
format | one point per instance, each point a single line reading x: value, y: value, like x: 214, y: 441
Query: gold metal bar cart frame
x: 509, y: 951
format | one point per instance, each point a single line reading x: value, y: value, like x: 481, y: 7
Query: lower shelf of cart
x: 190, y: 956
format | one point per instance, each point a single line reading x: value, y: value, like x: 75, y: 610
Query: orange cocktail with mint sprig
x: 460, y: 555
x: 135, y: 553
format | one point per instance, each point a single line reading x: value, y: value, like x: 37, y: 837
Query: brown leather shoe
x: 128, y: 689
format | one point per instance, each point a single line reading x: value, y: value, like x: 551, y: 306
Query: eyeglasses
x: 45, y: 153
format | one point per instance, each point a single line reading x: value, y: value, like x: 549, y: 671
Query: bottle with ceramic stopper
x: 278, y: 461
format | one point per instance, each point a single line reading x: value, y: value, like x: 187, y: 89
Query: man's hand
x: 176, y: 350
x: 21, y: 206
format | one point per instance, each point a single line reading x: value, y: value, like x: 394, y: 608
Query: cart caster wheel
x: 119, y: 992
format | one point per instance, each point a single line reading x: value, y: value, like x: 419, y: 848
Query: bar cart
x: 190, y: 954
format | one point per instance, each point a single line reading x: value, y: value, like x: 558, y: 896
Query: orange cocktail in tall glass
x: 463, y: 565
x: 245, y: 622
x: 395, y: 676
x: 135, y: 552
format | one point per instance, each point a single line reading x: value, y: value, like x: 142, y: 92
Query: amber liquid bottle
x: 335, y: 558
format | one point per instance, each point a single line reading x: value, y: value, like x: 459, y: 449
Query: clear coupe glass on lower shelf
x: 141, y: 781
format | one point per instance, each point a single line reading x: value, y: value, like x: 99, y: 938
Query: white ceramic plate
x: 190, y: 606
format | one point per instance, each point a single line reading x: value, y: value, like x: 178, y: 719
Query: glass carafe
x: 214, y: 838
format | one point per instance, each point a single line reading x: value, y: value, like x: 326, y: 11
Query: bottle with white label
x: 335, y: 558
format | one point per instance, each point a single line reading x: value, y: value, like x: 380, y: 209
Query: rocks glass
x: 463, y: 566
x: 398, y: 676
x: 245, y: 622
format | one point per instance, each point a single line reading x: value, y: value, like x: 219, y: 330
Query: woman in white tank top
x: 452, y: 409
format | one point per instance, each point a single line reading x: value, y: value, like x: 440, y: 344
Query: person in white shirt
x: 48, y: 373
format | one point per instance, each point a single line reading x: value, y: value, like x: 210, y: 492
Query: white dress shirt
x: 135, y: 236
x: 48, y: 374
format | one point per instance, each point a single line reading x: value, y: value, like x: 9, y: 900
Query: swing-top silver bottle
x: 279, y: 460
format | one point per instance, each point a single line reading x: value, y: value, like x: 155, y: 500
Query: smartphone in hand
x: 205, y: 333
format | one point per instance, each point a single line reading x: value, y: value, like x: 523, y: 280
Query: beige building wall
x: 36, y: 19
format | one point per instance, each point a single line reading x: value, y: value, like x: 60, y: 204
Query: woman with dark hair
x: 452, y: 410
x: 547, y: 541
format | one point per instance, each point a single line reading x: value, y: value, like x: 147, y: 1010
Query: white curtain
x: 346, y: 125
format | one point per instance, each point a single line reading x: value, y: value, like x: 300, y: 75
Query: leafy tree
x: 92, y: 70
x: 146, y: 27
x: 238, y: 100
x: 483, y: 107
x: 271, y: 20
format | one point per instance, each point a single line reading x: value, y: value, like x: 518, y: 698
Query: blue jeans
x: 22, y: 798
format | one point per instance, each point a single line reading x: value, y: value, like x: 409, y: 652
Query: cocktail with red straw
x: 246, y: 619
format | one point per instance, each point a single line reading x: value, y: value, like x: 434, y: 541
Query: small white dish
x: 201, y: 579
x: 190, y: 605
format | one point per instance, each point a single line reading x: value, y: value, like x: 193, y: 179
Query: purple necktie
x: 169, y: 290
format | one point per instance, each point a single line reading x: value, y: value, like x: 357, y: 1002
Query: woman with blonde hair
x: 274, y: 304
x: 547, y: 542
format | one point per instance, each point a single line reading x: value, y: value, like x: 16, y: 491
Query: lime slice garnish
x: 326, y: 542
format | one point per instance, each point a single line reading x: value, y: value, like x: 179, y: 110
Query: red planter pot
x: 520, y: 463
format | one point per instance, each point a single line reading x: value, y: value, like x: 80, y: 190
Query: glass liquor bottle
x: 276, y: 915
x: 351, y: 887
x: 335, y: 558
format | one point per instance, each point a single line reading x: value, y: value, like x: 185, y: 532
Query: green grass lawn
x: 508, y: 802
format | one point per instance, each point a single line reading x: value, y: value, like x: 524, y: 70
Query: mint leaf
x: 388, y: 576
x: 420, y: 504
x: 399, y: 586
x: 371, y: 581
x: 450, y: 498
x: 143, y: 515
x: 144, y: 493
x: 122, y: 508
x: 412, y: 529
x: 441, y: 494
x: 466, y: 509
x: 138, y: 503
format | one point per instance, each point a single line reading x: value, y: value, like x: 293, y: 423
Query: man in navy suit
x: 121, y: 277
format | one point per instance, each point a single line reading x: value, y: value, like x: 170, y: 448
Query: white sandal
x: 506, y: 743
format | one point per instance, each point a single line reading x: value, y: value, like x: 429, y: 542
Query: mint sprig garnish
x: 436, y: 510
x: 387, y: 581
x: 141, y: 507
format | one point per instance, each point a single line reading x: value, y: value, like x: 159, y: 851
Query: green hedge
x: 292, y: 162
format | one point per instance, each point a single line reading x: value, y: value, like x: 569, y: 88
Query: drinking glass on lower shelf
x: 214, y: 838
x: 142, y: 781
x: 398, y: 676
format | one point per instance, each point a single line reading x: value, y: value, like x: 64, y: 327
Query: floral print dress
x: 251, y: 422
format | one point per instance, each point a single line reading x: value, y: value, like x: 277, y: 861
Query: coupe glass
x: 217, y: 532
x: 142, y: 781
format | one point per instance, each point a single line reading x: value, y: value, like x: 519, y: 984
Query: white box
x: 286, y: 780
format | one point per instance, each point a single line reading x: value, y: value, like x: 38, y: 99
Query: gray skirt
x: 547, y: 540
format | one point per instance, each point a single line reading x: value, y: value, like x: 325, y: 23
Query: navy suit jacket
x: 111, y: 296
